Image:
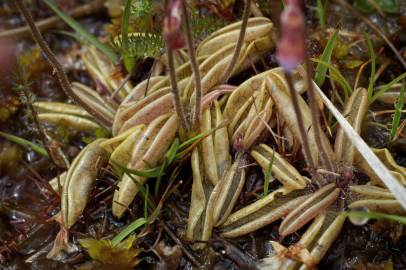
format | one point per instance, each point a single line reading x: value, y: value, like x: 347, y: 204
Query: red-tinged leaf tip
x: 172, y: 24
x: 238, y: 143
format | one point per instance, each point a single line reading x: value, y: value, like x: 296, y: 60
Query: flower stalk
x: 291, y: 52
x: 194, y: 65
x: 174, y: 41
x: 240, y: 42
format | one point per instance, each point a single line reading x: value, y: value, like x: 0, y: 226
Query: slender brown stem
x: 240, y: 42
x: 302, y: 129
x: 175, y: 91
x: 194, y: 65
x: 60, y: 73
x: 172, y: 235
x: 325, y: 159
x: 149, y: 77
x: 121, y: 86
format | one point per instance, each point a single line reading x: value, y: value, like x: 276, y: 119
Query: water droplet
x: 359, y: 221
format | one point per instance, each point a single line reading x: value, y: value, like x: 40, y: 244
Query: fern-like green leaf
x: 141, y: 45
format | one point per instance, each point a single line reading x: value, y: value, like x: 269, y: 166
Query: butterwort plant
x: 291, y: 52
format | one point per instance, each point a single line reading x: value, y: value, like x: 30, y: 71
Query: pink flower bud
x: 292, y: 21
x: 291, y: 48
x: 172, y: 22
x: 290, y: 53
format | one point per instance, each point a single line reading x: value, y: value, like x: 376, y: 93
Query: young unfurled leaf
x: 108, y: 256
x: 398, y: 111
x: 351, y: 64
x: 389, y: 6
x: 341, y: 50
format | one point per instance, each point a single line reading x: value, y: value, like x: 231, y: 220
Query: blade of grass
x: 168, y: 191
x: 83, y: 32
x: 199, y: 136
x: 128, y: 230
x: 171, y: 154
x: 373, y: 66
x: 338, y: 77
x: 169, y: 158
x: 146, y: 203
x: 398, y: 112
x: 321, y: 14
x: 321, y: 70
x: 149, y: 173
x: 25, y: 143
x: 162, y: 172
x: 268, y: 175
x: 143, y: 191
x: 386, y: 87
x: 377, y: 216
x: 73, y: 35
x: 188, y: 146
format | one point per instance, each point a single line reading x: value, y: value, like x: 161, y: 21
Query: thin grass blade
x: 83, y: 32
x: 386, y: 87
x: 321, y: 70
x: 128, y: 230
x: 268, y: 175
x: 321, y: 14
x: 398, y: 112
x: 25, y: 143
